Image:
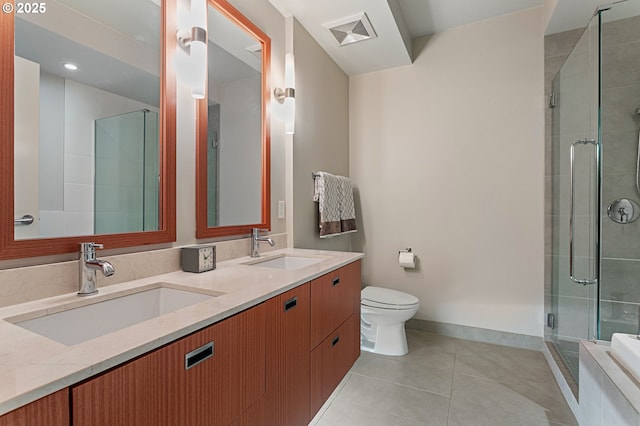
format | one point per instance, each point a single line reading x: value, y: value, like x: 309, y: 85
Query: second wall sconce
x: 287, y: 95
x: 191, y: 58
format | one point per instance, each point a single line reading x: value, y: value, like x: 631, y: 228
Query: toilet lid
x: 385, y: 297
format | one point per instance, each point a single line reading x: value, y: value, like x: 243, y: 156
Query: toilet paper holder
x: 407, y: 250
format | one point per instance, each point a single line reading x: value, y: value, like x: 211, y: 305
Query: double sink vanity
x: 255, y: 341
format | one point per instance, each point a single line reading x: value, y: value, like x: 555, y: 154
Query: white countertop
x: 32, y: 366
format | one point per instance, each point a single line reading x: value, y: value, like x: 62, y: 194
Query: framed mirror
x: 87, y: 125
x: 233, y: 139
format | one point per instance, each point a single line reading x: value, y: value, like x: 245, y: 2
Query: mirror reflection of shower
x: 213, y: 165
x: 127, y: 173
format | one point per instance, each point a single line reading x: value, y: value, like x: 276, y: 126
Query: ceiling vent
x: 255, y: 50
x: 352, y: 29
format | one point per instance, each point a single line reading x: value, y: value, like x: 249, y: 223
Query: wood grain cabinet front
x: 330, y: 362
x: 287, y: 396
x: 52, y: 410
x: 335, y: 321
x: 273, y: 364
x: 332, y: 300
x: 208, y: 378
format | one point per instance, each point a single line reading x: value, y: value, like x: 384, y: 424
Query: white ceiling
x: 396, y: 22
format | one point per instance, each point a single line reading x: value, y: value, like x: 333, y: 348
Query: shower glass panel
x: 213, y: 166
x: 574, y: 251
x: 620, y: 92
x: 126, y: 173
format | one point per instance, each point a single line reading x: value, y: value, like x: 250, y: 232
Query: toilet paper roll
x: 407, y: 259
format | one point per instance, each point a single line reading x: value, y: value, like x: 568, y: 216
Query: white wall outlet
x: 281, y: 209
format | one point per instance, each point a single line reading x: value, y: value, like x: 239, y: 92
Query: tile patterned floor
x: 447, y: 381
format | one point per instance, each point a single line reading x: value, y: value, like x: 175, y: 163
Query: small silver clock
x: 198, y: 258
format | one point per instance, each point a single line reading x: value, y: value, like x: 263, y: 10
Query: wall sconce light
x: 191, y: 58
x: 287, y: 96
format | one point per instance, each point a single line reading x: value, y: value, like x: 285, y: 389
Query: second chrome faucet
x: 88, y: 265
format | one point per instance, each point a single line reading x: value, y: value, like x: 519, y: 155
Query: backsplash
x: 29, y: 283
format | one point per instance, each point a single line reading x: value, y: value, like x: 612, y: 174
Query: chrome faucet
x: 88, y: 265
x: 256, y: 238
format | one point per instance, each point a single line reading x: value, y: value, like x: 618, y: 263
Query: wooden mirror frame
x: 203, y: 230
x: 13, y: 249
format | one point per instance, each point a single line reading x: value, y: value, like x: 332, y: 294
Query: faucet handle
x: 91, y: 246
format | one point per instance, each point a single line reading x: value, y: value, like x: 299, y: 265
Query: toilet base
x: 388, y: 339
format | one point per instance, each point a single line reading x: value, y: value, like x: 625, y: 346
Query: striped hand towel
x: 334, y: 195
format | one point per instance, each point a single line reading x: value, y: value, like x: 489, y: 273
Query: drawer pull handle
x: 197, y: 356
x: 336, y: 281
x: 291, y: 303
x: 335, y: 340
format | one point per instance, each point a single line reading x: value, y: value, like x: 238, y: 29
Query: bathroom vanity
x: 268, y: 349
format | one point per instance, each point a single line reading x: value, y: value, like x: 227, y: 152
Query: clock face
x: 206, y: 259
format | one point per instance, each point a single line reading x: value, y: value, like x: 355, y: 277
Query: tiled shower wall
x: 620, y: 274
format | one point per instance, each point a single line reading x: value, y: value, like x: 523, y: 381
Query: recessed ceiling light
x: 70, y: 66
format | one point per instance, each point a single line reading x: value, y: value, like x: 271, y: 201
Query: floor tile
x: 414, y: 375
x: 400, y: 401
x: 447, y: 381
x: 537, y: 400
x: 343, y: 413
x: 474, y: 413
x: 499, y: 362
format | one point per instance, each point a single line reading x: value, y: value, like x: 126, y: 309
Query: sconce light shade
x: 191, y: 59
x: 287, y: 96
x: 289, y: 71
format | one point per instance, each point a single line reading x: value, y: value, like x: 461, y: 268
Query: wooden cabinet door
x: 167, y: 387
x: 287, y: 397
x: 52, y: 410
x: 330, y: 362
x: 332, y: 300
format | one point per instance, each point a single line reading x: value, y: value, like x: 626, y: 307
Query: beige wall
x: 321, y: 141
x: 448, y: 158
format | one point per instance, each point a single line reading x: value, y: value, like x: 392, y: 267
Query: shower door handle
x: 572, y: 210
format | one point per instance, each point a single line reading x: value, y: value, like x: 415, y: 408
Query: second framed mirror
x: 233, y: 141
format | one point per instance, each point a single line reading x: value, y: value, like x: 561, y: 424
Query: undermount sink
x: 79, y: 324
x: 285, y: 261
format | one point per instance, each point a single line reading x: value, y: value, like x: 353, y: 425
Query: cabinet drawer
x: 330, y: 362
x: 184, y: 383
x: 333, y: 300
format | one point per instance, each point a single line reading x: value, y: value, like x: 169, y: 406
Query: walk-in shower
x: 595, y: 239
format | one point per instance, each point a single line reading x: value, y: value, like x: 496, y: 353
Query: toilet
x: 383, y: 314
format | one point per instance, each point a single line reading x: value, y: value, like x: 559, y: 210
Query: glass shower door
x: 575, y: 227
x: 620, y: 129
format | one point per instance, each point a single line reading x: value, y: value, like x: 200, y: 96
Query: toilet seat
x: 385, y: 298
